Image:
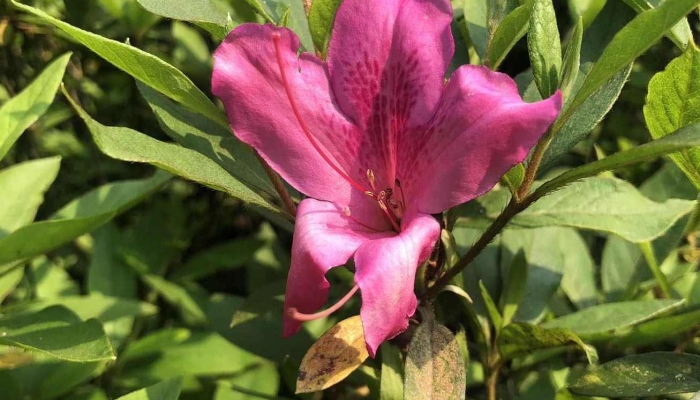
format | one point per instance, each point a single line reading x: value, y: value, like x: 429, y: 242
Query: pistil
x: 293, y: 313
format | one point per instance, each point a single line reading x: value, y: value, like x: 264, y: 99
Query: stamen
x: 390, y: 216
x: 370, y: 178
x: 294, y: 314
x: 288, y: 90
x: 397, y: 183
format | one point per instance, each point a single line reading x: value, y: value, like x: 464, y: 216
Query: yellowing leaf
x: 333, y: 357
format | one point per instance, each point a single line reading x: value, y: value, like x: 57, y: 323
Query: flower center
x: 393, y: 209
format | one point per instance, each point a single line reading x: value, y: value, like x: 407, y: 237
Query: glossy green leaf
x: 680, y: 34
x: 23, y: 187
x: 673, y: 102
x: 641, y: 375
x: 20, y: 112
x: 58, y: 333
x: 494, y: 314
x: 657, y: 330
x: 166, y: 390
x: 514, y: 287
x: 321, y: 18
x: 129, y: 145
x: 574, y: 125
x: 606, y: 205
x: 80, y: 216
x: 187, y: 10
x: 629, y: 43
x: 208, y: 138
x: 476, y: 15
x: 521, y: 338
x: 143, y: 66
x: 391, y: 383
x: 434, y: 365
x: 602, y: 321
x: 682, y: 139
x: 572, y: 60
x: 544, y: 46
x: 509, y: 31
x: 51, y: 280
x: 9, y: 281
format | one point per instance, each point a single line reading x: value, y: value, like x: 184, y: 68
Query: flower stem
x: 650, y: 257
x: 279, y: 187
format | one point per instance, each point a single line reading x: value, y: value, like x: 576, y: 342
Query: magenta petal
x: 387, y: 61
x: 386, y: 271
x: 482, y: 129
x: 324, y: 237
x: 247, y: 79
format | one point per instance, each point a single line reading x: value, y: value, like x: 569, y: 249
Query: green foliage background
x: 144, y: 291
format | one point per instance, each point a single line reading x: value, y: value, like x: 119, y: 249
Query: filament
x: 294, y: 314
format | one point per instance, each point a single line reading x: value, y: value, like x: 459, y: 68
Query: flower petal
x: 386, y: 271
x: 387, y: 61
x: 247, y: 79
x: 324, y: 237
x: 481, y: 129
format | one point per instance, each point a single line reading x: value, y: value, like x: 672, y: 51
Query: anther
x: 346, y: 211
x: 370, y: 178
x: 276, y: 37
x: 296, y: 315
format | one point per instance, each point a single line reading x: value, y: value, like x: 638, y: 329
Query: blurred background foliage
x: 166, y: 277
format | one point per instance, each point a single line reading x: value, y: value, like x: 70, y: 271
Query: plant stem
x: 492, y: 381
x: 651, y: 260
x: 279, y: 187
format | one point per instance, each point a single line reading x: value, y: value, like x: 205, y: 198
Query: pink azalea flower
x: 377, y: 140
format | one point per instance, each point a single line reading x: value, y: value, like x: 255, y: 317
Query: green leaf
x: 23, y: 187
x: 629, y: 43
x: 260, y: 382
x: 683, y: 138
x: 78, y: 217
x: 9, y: 281
x: 166, y: 390
x: 544, y: 46
x: 209, y: 139
x: 574, y: 125
x: 259, y: 8
x: 521, y: 338
x: 20, y: 112
x: 58, y: 333
x: 680, y: 34
x: 101, y: 308
x: 673, y: 102
x: 572, y: 60
x: 491, y: 308
x: 514, y: 287
x: 51, y: 280
x: 514, y: 178
x: 601, y: 321
x: 129, y: 145
x: 108, y: 274
x: 509, y: 31
x: 143, y: 66
x: 187, y: 10
x: 321, y: 18
x: 262, y: 300
x: 642, y: 375
x: 607, y: 205
x: 391, y: 384
x: 476, y: 15
x: 434, y: 365
x: 176, y: 295
x: 225, y: 256
x: 657, y: 330
x: 45, y: 380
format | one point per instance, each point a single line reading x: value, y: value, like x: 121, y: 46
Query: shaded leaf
x: 521, y: 338
x: 434, y: 365
x: 20, y: 112
x: 544, y: 46
x: 333, y: 357
x: 572, y: 60
x: 321, y: 18
x: 509, y: 31
x: 514, y: 287
x: 391, y: 384
x: 641, y: 375
x: 167, y: 390
x: 680, y: 34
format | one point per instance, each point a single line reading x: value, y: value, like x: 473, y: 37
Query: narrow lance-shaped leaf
x: 166, y: 390
x: 680, y: 34
x: 544, y: 46
x: 129, y: 145
x: 143, y: 66
x: 509, y: 31
x: 642, y: 375
x: 673, y: 101
x: 22, y: 187
x: 321, y: 18
x: 391, y: 383
x: 514, y: 287
x: 682, y: 139
x: 572, y: 60
x: 476, y: 15
x: 21, y: 111
x: 59, y: 333
x: 491, y: 308
x: 632, y: 40
x: 434, y: 365
x: 521, y: 338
